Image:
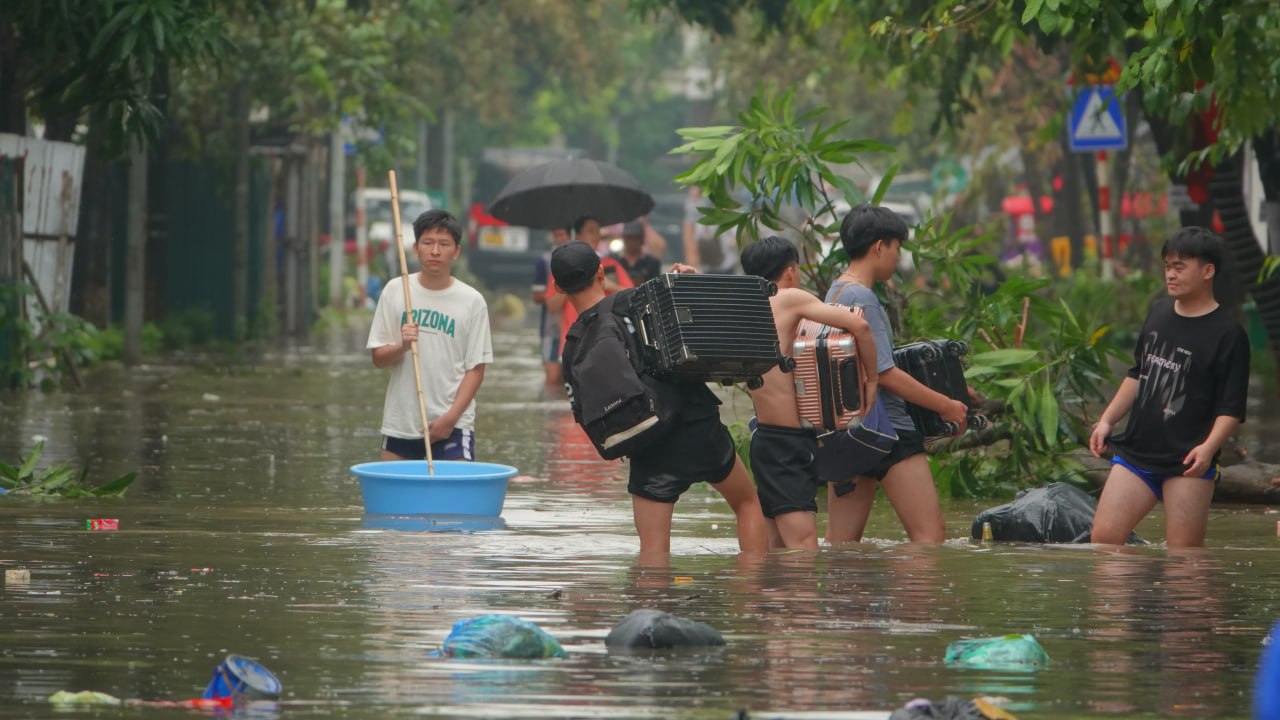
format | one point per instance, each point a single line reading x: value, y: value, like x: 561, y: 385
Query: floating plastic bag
x: 1055, y: 513
x: 500, y: 636
x: 951, y: 709
x: 654, y: 629
x: 84, y: 697
x: 1008, y: 652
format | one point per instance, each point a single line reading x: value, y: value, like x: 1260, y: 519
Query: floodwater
x: 245, y: 534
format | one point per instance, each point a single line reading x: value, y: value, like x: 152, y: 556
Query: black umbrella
x: 558, y: 193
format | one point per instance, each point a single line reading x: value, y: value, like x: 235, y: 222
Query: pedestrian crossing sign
x: 1096, y: 122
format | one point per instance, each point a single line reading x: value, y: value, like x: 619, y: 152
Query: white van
x: 378, y: 220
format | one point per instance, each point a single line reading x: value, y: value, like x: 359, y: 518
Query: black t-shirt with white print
x: 1190, y: 371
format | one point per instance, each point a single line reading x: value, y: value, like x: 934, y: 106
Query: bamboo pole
x: 408, y: 307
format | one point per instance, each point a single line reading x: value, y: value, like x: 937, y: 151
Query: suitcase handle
x: 643, y: 327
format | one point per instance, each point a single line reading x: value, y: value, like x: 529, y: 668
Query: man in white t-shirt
x: 450, y: 321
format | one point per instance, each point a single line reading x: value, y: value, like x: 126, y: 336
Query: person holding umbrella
x: 450, y: 321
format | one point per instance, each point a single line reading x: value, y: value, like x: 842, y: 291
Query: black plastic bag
x: 653, y: 629
x: 1056, y: 513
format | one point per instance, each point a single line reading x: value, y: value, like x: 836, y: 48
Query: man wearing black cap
x: 639, y: 264
x: 698, y: 449
x: 872, y: 236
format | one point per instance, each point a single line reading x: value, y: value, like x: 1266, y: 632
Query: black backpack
x: 621, y: 408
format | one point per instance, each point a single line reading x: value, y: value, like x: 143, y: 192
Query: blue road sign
x: 1096, y: 122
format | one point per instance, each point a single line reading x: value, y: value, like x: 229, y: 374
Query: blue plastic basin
x: 403, y: 487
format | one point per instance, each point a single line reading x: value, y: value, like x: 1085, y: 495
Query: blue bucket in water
x: 403, y: 487
x: 242, y: 679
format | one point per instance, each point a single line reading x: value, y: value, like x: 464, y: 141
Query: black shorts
x: 910, y: 443
x: 698, y: 450
x: 784, y: 463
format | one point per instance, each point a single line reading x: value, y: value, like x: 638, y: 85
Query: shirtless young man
x: 783, y: 452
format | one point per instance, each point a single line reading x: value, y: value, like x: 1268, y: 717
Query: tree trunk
x: 1246, y: 256
x: 91, y: 269
x: 1068, y: 208
x: 135, y: 255
x: 13, y: 106
x: 337, y: 226
x: 240, y: 233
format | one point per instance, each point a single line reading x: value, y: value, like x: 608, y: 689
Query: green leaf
x: 117, y: 486
x: 885, y: 182
x: 980, y: 371
x: 1004, y: 358
x: 29, y: 464
x: 1049, y: 415
x: 717, y: 216
x: 1033, y: 9
x: 712, y: 131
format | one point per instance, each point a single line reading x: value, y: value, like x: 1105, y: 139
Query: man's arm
x: 442, y: 426
x: 1120, y: 406
x: 1200, y: 457
x: 908, y: 388
x: 388, y: 355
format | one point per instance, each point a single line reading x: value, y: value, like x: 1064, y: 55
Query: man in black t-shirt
x: 698, y: 449
x: 1184, y: 395
x: 639, y: 264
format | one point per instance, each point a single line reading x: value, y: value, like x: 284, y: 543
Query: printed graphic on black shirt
x: 1165, y: 383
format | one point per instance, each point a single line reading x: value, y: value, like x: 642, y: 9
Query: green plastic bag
x: 1007, y: 652
x: 500, y: 636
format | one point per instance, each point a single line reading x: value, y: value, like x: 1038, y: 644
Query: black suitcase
x: 937, y: 365
x: 708, y: 328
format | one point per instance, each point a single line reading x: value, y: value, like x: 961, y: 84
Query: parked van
x: 378, y: 219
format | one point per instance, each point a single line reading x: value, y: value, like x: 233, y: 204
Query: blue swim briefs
x: 1155, y: 481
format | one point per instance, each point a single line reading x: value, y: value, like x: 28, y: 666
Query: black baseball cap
x: 574, y: 266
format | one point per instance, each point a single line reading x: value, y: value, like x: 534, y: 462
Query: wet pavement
x: 245, y: 534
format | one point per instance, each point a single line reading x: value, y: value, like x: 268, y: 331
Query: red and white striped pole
x: 1105, y: 221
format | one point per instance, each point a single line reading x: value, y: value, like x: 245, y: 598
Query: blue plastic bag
x: 500, y: 636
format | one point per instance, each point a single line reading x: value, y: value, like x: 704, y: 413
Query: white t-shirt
x: 453, y: 337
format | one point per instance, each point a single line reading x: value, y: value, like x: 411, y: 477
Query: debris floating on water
x: 1007, y: 652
